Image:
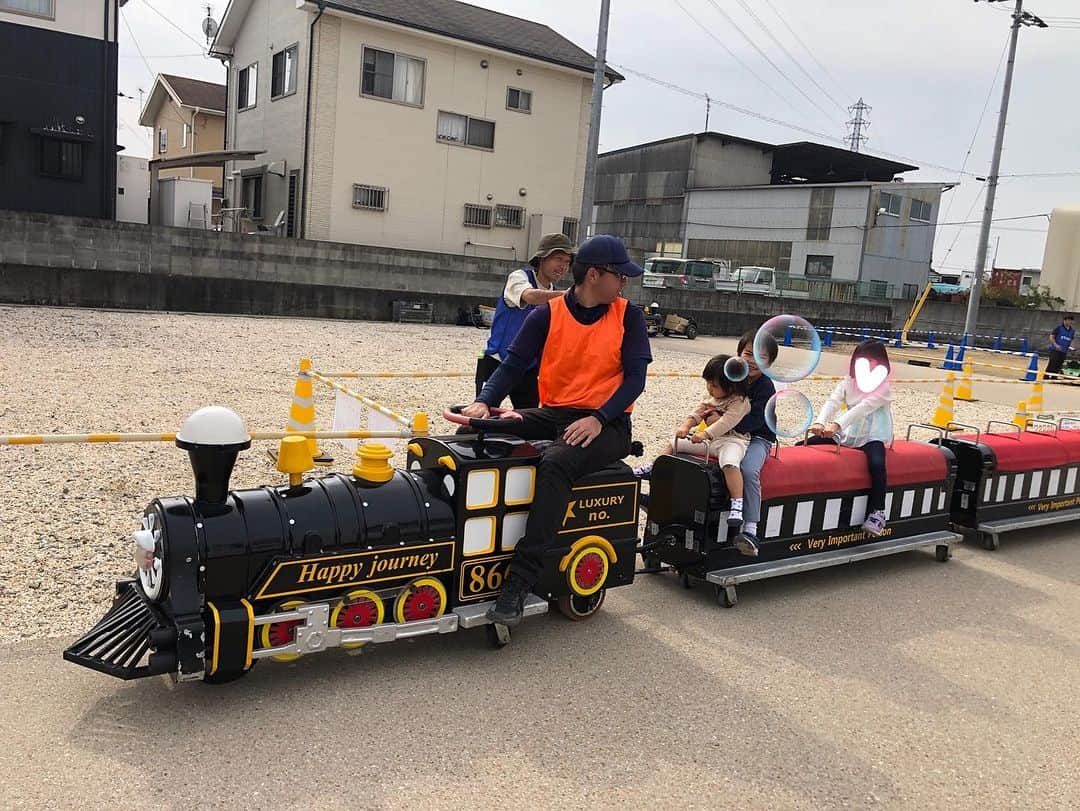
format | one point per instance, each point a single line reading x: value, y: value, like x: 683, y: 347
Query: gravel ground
x: 66, y: 511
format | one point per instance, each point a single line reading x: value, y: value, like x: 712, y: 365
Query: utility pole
x: 588, y: 191
x: 858, y: 124
x: 1020, y: 17
x: 708, y: 109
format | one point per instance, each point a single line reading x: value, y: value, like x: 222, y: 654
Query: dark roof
x: 817, y: 163
x: 196, y: 93
x: 477, y: 25
x: 803, y: 161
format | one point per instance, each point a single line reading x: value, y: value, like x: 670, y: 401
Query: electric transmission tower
x: 857, y: 124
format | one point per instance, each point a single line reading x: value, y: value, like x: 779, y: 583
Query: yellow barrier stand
x: 943, y: 414
x: 964, y: 390
x: 1021, y: 417
x: 1035, y: 401
x: 302, y: 412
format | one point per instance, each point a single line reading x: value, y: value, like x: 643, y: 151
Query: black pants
x: 875, y: 460
x: 1053, y: 366
x: 526, y: 394
x: 560, y: 466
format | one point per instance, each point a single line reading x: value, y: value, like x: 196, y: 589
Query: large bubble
x: 787, y: 348
x: 736, y: 369
x: 789, y: 413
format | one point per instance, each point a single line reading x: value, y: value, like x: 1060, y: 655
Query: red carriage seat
x: 812, y: 469
x: 1019, y: 451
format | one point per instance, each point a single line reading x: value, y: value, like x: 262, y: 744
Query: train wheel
x: 423, y: 599
x: 358, y: 609
x: 685, y: 580
x: 989, y: 541
x: 498, y: 636
x: 650, y: 563
x: 726, y: 596
x: 588, y: 571
x: 282, y: 633
x: 942, y: 553
x: 577, y: 607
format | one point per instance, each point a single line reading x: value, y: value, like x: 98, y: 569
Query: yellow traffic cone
x: 1021, y: 417
x: 963, y: 390
x: 302, y: 411
x: 943, y: 414
x: 1035, y: 401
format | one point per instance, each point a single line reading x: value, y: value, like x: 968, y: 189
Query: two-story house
x: 187, y: 116
x: 58, y: 106
x: 428, y: 124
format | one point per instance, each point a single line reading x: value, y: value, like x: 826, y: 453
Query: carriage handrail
x: 1012, y: 428
x: 937, y: 429
x: 952, y: 426
x: 1051, y: 423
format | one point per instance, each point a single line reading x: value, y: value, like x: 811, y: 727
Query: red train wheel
x: 587, y: 571
x: 358, y: 609
x: 422, y: 599
x: 277, y: 634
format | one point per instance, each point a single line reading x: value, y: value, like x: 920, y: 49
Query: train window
x: 479, y: 536
x: 513, y: 530
x: 482, y: 491
x: 520, y: 483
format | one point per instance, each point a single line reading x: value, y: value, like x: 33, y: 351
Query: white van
x: 683, y: 274
x: 762, y: 280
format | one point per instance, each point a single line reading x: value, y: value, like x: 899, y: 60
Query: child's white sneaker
x: 875, y: 523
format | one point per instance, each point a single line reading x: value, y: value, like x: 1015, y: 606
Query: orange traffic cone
x: 943, y: 414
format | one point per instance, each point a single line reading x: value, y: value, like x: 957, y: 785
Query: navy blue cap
x: 606, y: 250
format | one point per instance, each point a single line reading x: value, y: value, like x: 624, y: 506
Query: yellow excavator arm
x: 915, y: 308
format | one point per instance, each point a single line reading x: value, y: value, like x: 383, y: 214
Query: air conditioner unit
x: 276, y: 168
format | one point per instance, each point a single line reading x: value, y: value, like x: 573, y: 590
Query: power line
x: 765, y: 56
x: 806, y: 48
x: 127, y: 25
x: 779, y: 122
x: 761, y: 24
x: 730, y: 52
x: 174, y: 25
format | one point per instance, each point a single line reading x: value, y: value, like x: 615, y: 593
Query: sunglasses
x: 622, y: 277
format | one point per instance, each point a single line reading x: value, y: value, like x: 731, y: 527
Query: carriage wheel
x: 423, y: 599
x: 685, y: 580
x: 942, y: 553
x: 282, y: 633
x: 726, y: 596
x: 588, y: 571
x: 989, y: 541
x: 358, y: 609
x: 577, y: 607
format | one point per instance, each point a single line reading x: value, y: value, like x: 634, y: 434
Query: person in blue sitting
x: 1060, y: 341
x: 525, y: 289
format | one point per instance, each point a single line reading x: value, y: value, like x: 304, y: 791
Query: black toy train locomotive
x: 228, y: 578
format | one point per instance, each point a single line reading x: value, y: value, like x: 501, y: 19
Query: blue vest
x: 507, y: 322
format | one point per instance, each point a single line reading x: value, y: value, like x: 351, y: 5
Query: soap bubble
x: 736, y: 369
x: 787, y: 348
x: 789, y: 413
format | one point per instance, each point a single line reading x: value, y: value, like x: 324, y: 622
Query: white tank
x: 1061, y: 260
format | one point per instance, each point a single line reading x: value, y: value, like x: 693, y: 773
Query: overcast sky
x: 925, y: 67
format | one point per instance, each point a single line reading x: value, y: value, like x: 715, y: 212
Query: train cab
x: 490, y: 479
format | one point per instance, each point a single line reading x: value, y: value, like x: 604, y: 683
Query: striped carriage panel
x: 1004, y: 487
x: 806, y: 516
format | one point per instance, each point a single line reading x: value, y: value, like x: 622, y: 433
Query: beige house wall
x: 207, y: 135
x: 383, y: 143
x: 70, y: 17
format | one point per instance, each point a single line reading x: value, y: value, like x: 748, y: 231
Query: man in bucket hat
x: 524, y: 290
x: 593, y: 352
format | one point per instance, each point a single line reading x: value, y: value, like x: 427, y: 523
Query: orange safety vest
x: 582, y: 363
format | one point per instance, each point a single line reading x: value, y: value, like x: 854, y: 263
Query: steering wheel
x: 501, y: 419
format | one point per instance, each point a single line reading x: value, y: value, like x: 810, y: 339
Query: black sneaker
x: 510, y: 605
x: 746, y: 543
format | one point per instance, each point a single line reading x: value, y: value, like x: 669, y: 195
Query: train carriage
x: 1013, y: 479
x: 813, y: 504
x: 230, y: 577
